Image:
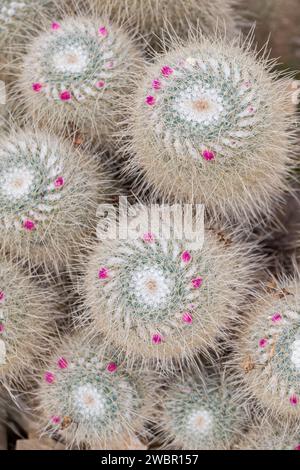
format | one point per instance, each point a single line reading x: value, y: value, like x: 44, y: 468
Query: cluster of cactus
x: 107, y: 340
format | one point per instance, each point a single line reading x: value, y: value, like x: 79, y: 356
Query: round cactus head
x: 48, y: 196
x: 76, y: 73
x: 88, y: 398
x: 27, y: 313
x: 210, y: 123
x: 158, y: 300
x: 200, y: 415
x: 268, y: 351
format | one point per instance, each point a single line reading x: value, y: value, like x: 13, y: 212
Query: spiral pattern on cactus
x: 157, y: 299
x: 87, y: 397
x: 211, y: 123
x: 76, y: 73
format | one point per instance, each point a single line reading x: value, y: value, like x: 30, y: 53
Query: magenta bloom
x: 157, y: 339
x: 150, y: 100
x: 103, y: 273
x: 62, y: 363
x: 112, y: 367
x: 55, y: 26
x: 166, y: 71
x: 29, y: 225
x: 37, y: 87
x: 208, y: 155
x: 186, y: 256
x: 197, y: 282
x: 49, y: 377
x: 65, y: 96
x: 187, y: 318
x: 59, y: 182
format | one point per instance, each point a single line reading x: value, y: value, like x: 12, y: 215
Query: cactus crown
x: 209, y: 117
x: 157, y: 299
x: 86, y: 397
x: 78, y: 58
x: 201, y: 416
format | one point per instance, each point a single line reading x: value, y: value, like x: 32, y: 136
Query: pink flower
x: 65, y: 95
x: 2, y: 296
x: 197, y: 282
x: 149, y: 237
x: 166, y: 71
x: 59, y: 182
x: 55, y: 419
x: 150, y: 100
x: 112, y: 367
x: 49, y: 377
x: 297, y: 447
x: 251, y: 109
x: 276, y: 318
x: 100, y: 84
x: 186, y: 256
x: 2, y: 328
x: 62, y: 363
x: 208, y: 155
x: 294, y: 400
x: 37, y: 87
x: 103, y: 273
x: 263, y: 343
x: 103, y: 31
x: 157, y: 339
x: 29, y: 225
x: 156, y: 84
x: 55, y: 26
x: 187, y: 318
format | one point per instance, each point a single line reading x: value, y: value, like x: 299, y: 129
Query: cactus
x: 87, y: 398
x: 48, y: 197
x: 77, y: 73
x: 270, y: 435
x: 212, y: 123
x: 267, y: 351
x: 160, y: 302
x: 200, y: 415
x: 152, y: 18
x: 27, y: 315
